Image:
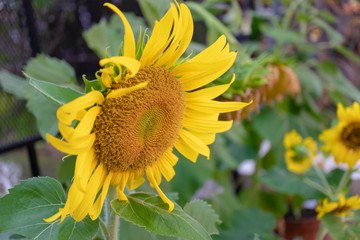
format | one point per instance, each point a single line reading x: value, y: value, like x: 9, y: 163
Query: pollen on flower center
x: 135, y: 130
x: 350, y: 135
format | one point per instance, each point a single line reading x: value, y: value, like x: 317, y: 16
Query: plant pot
x: 306, y: 228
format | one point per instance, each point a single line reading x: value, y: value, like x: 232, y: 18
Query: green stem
x: 323, y: 179
x: 113, y: 220
x: 289, y: 13
x: 104, y: 229
x: 344, y: 180
x: 318, y: 187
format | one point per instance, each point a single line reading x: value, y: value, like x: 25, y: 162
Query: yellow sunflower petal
x: 194, y: 114
x: 151, y: 178
x: 122, y: 91
x: 209, y: 72
x: 131, y: 64
x: 211, y: 52
x: 170, y: 157
x: 84, y: 166
x: 158, y: 40
x: 211, y: 106
x: 115, y: 181
x: 121, y: 187
x: 199, y: 125
x: 129, y: 39
x: 185, y: 150
x: 93, y: 187
x: 68, y: 112
x: 210, y: 92
x: 53, y: 217
x: 135, y: 182
x: 68, y: 148
x: 157, y: 174
x: 183, y: 29
x: 65, y: 130
x: 207, y: 138
x: 86, y: 125
x: 96, y: 208
x: 195, y: 143
x: 166, y: 169
x: 106, y: 80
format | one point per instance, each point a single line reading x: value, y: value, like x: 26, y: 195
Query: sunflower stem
x: 344, y: 180
x: 113, y: 220
x: 323, y: 179
x: 318, y: 187
x: 104, y: 229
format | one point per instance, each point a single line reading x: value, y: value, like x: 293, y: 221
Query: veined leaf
x: 58, y: 94
x: 150, y: 212
x: 50, y: 69
x: 23, y: 209
x: 13, y: 84
x: 204, y: 214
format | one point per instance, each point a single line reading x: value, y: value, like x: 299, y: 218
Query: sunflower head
x: 340, y: 208
x: 299, y: 153
x: 343, y: 140
x: 148, y: 104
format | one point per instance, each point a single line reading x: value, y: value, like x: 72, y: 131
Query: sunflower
x: 343, y: 140
x: 299, y: 153
x: 340, y: 208
x: 149, y: 104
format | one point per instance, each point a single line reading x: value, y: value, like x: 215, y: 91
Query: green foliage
x: 45, y: 115
x: 66, y: 170
x: 51, y: 70
x: 204, y: 214
x: 22, y: 212
x: 335, y: 81
x: 153, y: 9
x: 109, y: 35
x: 193, y: 176
x: 248, y: 223
x: 283, y: 181
x: 58, y: 94
x: 150, y: 212
x: 131, y: 231
x: 13, y: 84
x: 92, y: 85
x: 340, y: 230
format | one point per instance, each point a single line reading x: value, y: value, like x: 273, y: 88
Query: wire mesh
x: 16, y: 123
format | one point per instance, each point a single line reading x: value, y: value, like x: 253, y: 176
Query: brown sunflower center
x: 135, y: 130
x: 350, y: 135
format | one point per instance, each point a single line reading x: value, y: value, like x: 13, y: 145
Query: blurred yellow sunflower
x: 151, y: 103
x: 343, y: 140
x: 340, y: 208
x: 299, y: 153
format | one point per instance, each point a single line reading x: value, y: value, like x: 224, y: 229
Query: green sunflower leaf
x: 13, y: 84
x: 50, y: 69
x: 204, y: 214
x: 58, y: 94
x: 44, y: 111
x: 23, y: 209
x: 150, y: 212
x: 340, y: 230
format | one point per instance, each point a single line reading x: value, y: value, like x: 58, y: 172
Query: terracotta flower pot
x: 307, y: 228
